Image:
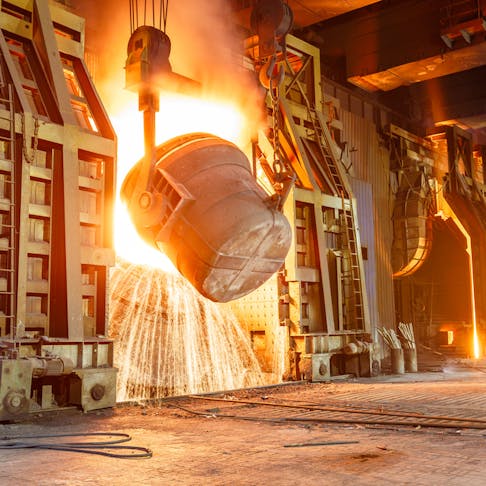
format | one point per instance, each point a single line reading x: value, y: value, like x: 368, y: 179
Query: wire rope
x: 134, y: 13
x: 165, y: 10
x: 131, y: 15
x: 102, y: 448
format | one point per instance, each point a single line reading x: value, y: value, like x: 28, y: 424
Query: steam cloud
x: 205, y: 47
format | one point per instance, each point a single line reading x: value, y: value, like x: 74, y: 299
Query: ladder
x: 7, y: 210
x: 351, y: 276
x: 320, y: 134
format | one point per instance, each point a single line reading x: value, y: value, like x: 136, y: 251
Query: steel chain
x: 274, y: 90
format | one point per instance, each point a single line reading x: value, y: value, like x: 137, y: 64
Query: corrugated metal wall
x: 371, y: 182
x: 364, y: 201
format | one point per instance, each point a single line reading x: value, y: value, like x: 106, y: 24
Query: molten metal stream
x: 448, y: 212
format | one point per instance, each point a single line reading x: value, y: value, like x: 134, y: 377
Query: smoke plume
x: 206, y: 47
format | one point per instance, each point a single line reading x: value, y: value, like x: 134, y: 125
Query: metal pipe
x: 46, y: 366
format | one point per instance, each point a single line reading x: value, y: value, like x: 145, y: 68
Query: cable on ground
x: 101, y: 448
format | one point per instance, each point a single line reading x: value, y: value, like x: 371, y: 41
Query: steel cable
x: 134, y: 13
x: 92, y: 447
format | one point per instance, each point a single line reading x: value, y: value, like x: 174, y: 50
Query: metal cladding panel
x: 260, y: 314
x: 259, y: 310
x: 363, y: 194
x: 370, y: 173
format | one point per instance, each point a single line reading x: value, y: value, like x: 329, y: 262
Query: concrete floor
x: 265, y: 449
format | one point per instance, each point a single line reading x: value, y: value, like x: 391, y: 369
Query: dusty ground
x: 267, y: 449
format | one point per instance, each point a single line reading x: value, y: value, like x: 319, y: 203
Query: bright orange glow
x: 447, y: 212
x: 178, y: 115
x: 477, y: 351
x: 450, y: 337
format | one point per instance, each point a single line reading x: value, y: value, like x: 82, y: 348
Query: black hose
x: 122, y: 437
x: 84, y: 447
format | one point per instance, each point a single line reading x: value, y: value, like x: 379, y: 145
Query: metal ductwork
x: 412, y: 225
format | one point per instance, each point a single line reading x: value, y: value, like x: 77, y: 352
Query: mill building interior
x: 354, y: 202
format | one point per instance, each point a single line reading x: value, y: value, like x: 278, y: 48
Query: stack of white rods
x: 390, y: 337
x: 408, y: 338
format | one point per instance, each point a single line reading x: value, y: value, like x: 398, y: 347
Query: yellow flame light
x: 178, y: 115
x: 477, y: 350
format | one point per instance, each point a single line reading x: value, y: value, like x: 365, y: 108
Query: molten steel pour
x: 172, y: 341
x: 195, y: 197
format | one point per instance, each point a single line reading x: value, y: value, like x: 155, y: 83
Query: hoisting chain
x: 274, y: 90
x: 30, y: 158
x: 283, y: 179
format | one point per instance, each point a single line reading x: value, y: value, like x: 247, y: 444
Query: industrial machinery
x: 440, y: 189
x: 228, y: 251
x: 334, y: 289
x: 316, y: 306
x: 320, y: 298
x: 210, y: 217
x: 57, y: 184
x: 289, y: 257
x: 195, y: 197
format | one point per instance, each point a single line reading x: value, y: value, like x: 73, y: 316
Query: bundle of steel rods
x: 408, y: 338
x: 390, y: 337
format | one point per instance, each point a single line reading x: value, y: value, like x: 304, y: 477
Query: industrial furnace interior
x: 267, y: 221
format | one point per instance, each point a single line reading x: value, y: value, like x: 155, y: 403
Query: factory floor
x: 418, y: 429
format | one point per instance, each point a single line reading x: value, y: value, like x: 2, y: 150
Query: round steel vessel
x: 204, y: 209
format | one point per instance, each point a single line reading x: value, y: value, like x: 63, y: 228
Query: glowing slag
x: 172, y: 341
